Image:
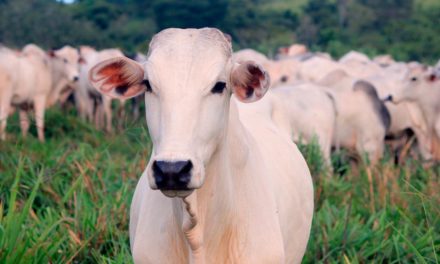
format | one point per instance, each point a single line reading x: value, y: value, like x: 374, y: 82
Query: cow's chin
x: 176, y: 193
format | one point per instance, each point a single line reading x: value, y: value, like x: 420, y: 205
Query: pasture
x: 67, y: 200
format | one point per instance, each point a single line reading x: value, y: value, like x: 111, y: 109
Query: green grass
x: 68, y: 200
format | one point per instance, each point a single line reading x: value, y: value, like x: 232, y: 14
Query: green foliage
x: 67, y: 200
x: 406, y: 29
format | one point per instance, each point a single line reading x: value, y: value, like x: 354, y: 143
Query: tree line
x: 406, y: 29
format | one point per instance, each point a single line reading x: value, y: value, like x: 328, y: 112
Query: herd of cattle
x: 242, y: 190
x: 354, y: 102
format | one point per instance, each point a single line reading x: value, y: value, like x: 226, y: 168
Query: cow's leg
x: 121, y: 114
x: 5, y: 105
x: 4, y: 111
x: 24, y: 122
x: 423, y: 144
x: 40, y: 105
x: 107, y: 111
x: 373, y: 148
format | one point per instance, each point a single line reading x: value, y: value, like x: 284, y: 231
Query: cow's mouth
x: 177, y: 193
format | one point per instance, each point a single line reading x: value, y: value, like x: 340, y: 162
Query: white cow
x: 91, y: 105
x: 315, y: 68
x: 362, y: 118
x: 32, y: 78
x: 422, y: 87
x: 312, y: 114
x: 406, y: 115
x: 234, y: 187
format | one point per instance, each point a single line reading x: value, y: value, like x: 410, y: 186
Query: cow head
x: 68, y: 60
x: 420, y: 82
x: 187, y: 80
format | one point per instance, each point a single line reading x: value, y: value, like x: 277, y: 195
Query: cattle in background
x: 422, y: 87
x: 362, y: 119
x: 311, y: 115
x: 406, y: 116
x: 33, y: 79
x: 293, y: 50
x: 239, y: 189
x: 384, y: 60
x: 91, y: 105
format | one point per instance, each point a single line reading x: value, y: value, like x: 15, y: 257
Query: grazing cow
x: 304, y: 103
x: 91, y: 105
x: 32, y: 80
x: 235, y: 189
x: 362, y: 120
x: 422, y: 87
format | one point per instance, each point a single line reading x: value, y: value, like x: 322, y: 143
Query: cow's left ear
x: 118, y: 78
x: 249, y: 81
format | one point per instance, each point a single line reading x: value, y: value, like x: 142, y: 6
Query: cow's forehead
x: 68, y: 53
x: 192, y: 54
x: 185, y: 45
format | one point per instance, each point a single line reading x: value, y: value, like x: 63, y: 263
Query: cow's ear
x: 249, y: 81
x: 118, y: 78
x: 51, y: 53
x: 81, y: 60
x: 432, y: 77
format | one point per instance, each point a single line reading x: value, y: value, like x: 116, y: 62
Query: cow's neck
x: 58, y: 82
x: 215, y: 201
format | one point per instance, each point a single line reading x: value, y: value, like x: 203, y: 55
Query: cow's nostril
x: 76, y: 78
x: 172, y: 175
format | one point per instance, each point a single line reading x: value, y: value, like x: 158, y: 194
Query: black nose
x: 76, y: 78
x: 172, y: 175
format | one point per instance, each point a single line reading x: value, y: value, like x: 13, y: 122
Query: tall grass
x: 67, y: 201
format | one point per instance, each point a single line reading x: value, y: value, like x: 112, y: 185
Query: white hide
x: 312, y: 114
x: 26, y: 82
x: 252, y: 200
x: 359, y: 127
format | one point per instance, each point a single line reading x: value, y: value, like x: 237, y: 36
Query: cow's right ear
x: 118, y: 78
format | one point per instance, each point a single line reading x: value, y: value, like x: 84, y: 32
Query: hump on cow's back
x: 333, y: 77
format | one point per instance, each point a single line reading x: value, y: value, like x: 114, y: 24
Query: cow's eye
x: 147, y: 84
x: 413, y: 79
x: 219, y: 87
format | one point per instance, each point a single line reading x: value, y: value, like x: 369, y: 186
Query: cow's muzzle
x: 172, y: 175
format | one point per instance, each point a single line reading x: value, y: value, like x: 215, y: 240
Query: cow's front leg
x: 40, y: 105
x: 24, y: 122
x: 5, y: 104
x: 4, y: 111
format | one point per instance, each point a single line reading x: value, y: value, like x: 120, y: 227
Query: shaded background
x: 407, y: 29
